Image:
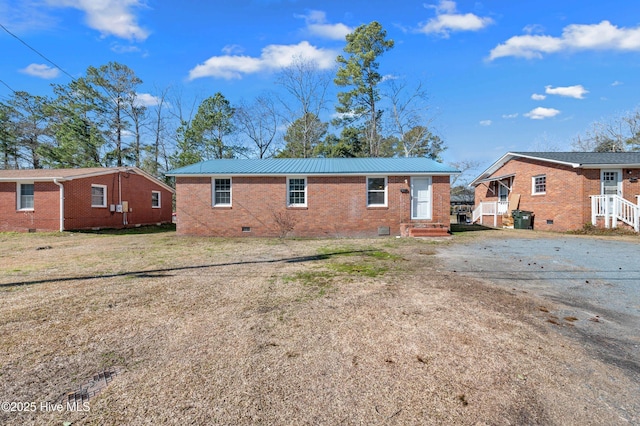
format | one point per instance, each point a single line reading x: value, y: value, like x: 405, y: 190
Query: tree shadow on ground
x: 462, y: 227
x: 165, y: 272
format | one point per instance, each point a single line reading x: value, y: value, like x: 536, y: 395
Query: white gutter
x: 55, y: 180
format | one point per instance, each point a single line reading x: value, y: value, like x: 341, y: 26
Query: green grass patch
x: 365, y: 269
x: 357, y: 251
x: 318, y: 281
x: 310, y: 278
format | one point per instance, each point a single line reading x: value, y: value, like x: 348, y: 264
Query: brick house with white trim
x: 86, y: 198
x: 564, y: 190
x: 315, y: 197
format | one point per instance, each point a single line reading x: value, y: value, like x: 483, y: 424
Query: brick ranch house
x: 564, y: 190
x: 71, y: 199
x: 313, y: 197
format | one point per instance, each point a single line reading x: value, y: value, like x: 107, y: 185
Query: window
x: 540, y: 184
x: 98, y: 196
x: 376, y: 191
x: 25, y: 196
x: 222, y: 192
x: 156, y: 199
x: 297, y: 192
x: 503, y: 190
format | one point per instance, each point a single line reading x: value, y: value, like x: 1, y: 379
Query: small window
x: 222, y: 192
x: 297, y: 192
x: 98, y: 196
x: 156, y: 199
x: 25, y: 196
x: 540, y: 184
x: 377, y: 192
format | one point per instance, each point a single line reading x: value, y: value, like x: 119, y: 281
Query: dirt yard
x: 222, y: 331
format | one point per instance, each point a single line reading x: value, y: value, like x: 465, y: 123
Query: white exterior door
x: 421, y: 198
x: 611, y: 184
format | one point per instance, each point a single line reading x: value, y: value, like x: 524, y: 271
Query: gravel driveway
x: 590, y: 287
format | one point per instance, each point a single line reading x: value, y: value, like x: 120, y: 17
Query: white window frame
x: 19, y: 196
x: 386, y: 187
x: 104, y: 196
x: 213, y: 191
x: 289, y: 203
x: 159, y: 200
x: 533, y: 185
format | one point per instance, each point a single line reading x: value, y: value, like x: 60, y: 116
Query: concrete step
x: 429, y: 232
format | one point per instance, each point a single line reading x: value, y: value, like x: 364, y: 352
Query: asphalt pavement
x: 594, y: 280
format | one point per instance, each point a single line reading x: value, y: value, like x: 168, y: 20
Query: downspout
x: 124, y: 214
x: 55, y: 180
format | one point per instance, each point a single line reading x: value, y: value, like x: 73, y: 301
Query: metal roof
x: 315, y: 166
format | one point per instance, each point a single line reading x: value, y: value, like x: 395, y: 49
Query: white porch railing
x: 490, y: 208
x: 614, y: 208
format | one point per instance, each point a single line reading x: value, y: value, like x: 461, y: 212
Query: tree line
x: 100, y: 119
x: 617, y: 134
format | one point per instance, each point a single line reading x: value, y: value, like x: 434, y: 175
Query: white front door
x: 421, y: 198
x: 611, y: 184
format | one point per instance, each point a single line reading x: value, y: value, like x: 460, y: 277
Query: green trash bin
x: 522, y: 219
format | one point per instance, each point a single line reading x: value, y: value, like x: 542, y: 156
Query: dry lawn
x: 250, y: 331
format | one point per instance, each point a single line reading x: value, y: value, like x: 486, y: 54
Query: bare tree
x: 409, y: 120
x: 138, y: 114
x: 466, y: 168
x: 620, y: 133
x: 156, y: 160
x: 259, y: 123
x: 306, y: 87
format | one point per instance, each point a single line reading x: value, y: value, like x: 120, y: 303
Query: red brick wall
x: 136, y: 190
x: 44, y: 216
x: 566, y: 201
x: 77, y: 202
x: 336, y: 206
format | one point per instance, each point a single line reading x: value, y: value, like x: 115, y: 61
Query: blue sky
x: 501, y: 75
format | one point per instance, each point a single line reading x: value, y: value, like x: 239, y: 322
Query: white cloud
x: 486, y: 123
x: 617, y: 83
x: 389, y: 77
x: 41, y: 71
x: 510, y: 116
x: 110, y: 17
x: 147, y: 99
x: 231, y: 49
x: 119, y: 48
x: 272, y: 57
x: 447, y: 20
x: 541, y: 113
x: 25, y: 16
x: 538, y: 97
x: 317, y: 25
x: 576, y: 92
x: 533, y: 29
x: 602, y: 36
